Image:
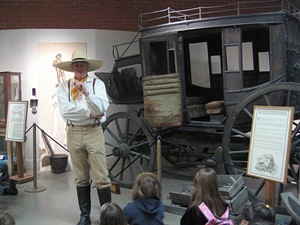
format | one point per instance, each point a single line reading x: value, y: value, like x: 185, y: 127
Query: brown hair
x: 206, y: 190
x: 6, y: 219
x: 146, y: 185
x: 112, y: 214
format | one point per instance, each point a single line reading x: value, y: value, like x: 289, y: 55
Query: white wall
x: 19, y: 53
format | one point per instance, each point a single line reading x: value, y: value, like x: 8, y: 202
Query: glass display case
x: 10, y: 90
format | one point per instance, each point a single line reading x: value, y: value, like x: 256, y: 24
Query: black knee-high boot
x: 84, y: 201
x: 104, y: 195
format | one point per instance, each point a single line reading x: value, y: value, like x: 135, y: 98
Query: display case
x: 10, y: 90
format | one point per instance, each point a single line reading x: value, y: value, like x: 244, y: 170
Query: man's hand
x: 81, y: 87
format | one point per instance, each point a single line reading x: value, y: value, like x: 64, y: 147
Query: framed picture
x: 16, y: 121
x: 270, y: 142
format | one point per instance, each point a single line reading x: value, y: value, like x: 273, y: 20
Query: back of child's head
x: 146, y: 185
x: 206, y: 190
x: 6, y: 219
x: 112, y: 214
x: 206, y: 180
x: 258, y: 211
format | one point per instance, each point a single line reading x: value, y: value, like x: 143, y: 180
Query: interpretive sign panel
x: 270, y: 142
x: 16, y: 121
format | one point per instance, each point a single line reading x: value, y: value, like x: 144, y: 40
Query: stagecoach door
x: 162, y: 85
x: 232, y: 61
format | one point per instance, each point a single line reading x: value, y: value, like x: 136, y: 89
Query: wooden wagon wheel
x: 130, y: 148
x: 236, y: 136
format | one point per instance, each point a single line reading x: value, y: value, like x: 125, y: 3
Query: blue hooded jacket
x: 144, y: 211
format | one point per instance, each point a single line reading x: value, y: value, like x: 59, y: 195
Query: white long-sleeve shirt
x: 78, y: 111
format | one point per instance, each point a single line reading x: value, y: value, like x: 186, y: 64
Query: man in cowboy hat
x: 82, y: 103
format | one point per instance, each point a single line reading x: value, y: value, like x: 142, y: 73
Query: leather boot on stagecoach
x: 84, y: 201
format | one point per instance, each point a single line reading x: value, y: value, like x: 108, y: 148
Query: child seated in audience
x: 112, y: 214
x: 6, y: 219
x: 207, y: 205
x: 258, y: 213
x: 147, y: 207
x: 7, y: 186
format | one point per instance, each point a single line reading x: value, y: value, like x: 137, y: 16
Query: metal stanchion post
x: 158, y: 158
x: 35, y: 188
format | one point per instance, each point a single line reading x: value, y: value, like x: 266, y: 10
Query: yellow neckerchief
x: 75, y: 91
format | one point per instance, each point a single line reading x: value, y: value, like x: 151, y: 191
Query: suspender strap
x: 94, y: 81
x: 69, y: 84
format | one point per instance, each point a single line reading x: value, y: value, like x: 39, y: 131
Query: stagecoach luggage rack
x: 123, y: 87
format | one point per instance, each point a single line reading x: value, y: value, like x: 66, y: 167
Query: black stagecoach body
x: 199, y: 73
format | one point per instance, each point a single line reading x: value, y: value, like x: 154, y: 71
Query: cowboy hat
x: 80, y: 56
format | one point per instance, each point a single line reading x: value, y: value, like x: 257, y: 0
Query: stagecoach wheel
x: 130, y: 148
x: 236, y: 136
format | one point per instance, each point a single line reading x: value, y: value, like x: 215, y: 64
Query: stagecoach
x: 194, y: 83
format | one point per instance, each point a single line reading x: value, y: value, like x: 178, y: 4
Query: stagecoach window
x: 162, y: 58
x: 215, y: 61
x: 199, y: 64
x: 257, y: 39
x: 232, y: 58
x: 247, y: 50
x: 264, y: 63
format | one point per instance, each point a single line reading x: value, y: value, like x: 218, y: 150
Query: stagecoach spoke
x: 145, y: 143
x: 127, y: 130
x: 135, y: 135
x: 137, y: 164
x: 245, y: 151
x: 268, y: 103
x: 114, y: 164
x: 248, y: 112
x: 246, y: 135
x: 113, y: 135
x: 131, y: 174
x: 140, y: 155
x: 119, y: 130
x: 295, y: 130
x: 289, y: 98
x: 110, y: 144
x: 121, y: 174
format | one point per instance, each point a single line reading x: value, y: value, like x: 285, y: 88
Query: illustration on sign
x: 266, y: 164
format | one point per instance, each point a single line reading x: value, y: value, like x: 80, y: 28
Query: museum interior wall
x: 31, y: 52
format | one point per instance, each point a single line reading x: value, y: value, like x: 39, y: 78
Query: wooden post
x: 20, y: 163
x: 270, y: 193
x: 10, y: 157
x: 158, y: 158
x: 20, y: 177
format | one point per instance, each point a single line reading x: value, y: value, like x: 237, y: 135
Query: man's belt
x: 84, y: 125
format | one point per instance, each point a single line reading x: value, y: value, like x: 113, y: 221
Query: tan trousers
x: 87, y: 151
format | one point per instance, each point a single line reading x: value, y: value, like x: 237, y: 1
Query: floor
x: 57, y: 204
